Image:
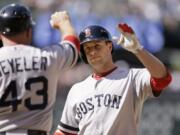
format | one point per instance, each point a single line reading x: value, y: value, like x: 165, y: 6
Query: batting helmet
x: 92, y: 33
x: 15, y: 18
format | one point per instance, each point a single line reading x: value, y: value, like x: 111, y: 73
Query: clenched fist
x: 59, y: 18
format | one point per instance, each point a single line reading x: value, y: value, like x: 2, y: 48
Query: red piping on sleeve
x: 74, y: 40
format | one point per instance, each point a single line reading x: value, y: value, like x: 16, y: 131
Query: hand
x: 59, y: 18
x: 128, y: 39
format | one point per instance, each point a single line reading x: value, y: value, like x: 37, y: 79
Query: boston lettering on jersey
x: 101, y: 100
x: 21, y: 64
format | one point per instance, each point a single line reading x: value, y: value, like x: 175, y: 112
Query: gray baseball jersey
x: 28, y: 83
x: 109, y: 106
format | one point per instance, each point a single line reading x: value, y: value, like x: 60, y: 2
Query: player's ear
x: 110, y: 45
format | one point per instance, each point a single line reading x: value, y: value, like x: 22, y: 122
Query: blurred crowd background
x: 157, y: 25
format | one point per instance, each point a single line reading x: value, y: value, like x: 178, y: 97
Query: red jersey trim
x: 99, y: 76
x: 158, y: 84
x: 74, y: 40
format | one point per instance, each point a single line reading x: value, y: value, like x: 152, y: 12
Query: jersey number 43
x: 11, y: 90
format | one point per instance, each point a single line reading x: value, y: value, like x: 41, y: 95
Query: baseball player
x: 110, y: 100
x: 29, y: 75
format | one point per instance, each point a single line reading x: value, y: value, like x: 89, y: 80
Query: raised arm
x: 61, y: 21
x: 160, y: 77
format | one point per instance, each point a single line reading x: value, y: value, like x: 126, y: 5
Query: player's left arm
x: 160, y: 76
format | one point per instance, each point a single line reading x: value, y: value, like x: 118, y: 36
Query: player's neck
x: 98, y: 75
x: 9, y: 42
x: 22, y: 38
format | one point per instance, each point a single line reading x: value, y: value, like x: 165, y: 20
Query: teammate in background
x: 29, y: 75
x: 110, y: 100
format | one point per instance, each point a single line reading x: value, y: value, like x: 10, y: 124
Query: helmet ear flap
x: 83, y: 55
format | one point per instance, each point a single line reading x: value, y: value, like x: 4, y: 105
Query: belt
x: 24, y: 132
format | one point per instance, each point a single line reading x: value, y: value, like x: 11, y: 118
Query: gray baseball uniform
x: 109, y: 106
x: 28, y: 83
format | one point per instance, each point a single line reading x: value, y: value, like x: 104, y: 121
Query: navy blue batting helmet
x: 15, y: 18
x: 92, y: 33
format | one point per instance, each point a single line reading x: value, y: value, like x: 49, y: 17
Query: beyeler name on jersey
x: 101, y: 100
x: 21, y: 64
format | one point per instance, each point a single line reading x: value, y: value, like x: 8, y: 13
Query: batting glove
x: 128, y: 39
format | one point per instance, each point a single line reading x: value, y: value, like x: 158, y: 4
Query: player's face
x: 98, y: 52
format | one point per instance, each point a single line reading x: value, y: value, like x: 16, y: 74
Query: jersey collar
x: 99, y: 76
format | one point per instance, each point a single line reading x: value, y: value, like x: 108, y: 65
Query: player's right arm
x: 70, y: 44
x: 69, y: 122
x: 62, y: 22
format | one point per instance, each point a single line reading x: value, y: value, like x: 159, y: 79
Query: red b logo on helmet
x: 87, y: 32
